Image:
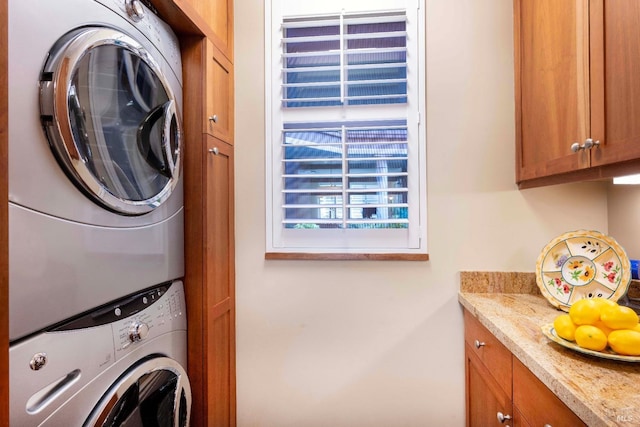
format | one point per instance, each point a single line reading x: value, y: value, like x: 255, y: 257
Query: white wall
x: 365, y: 343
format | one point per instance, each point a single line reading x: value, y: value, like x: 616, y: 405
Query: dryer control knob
x: 138, y: 331
x: 135, y: 10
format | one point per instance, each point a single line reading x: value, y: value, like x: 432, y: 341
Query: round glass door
x: 154, y: 394
x: 111, y: 119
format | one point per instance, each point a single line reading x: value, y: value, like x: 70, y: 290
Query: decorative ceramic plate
x: 550, y: 333
x: 582, y: 264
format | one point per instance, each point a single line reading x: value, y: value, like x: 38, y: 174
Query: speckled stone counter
x: 601, y: 392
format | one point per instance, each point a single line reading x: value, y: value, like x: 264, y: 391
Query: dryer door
x: 156, y: 393
x: 111, y: 119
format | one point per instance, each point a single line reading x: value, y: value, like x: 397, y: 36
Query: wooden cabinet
x: 575, y: 68
x: 536, y: 404
x: 488, y: 377
x: 218, y: 16
x: 501, y: 391
x: 209, y: 243
x: 219, y: 316
x: 218, y: 112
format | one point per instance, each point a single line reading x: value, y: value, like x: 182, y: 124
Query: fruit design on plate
x: 582, y: 264
x: 600, y: 324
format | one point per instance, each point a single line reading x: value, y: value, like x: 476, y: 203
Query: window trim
x: 273, y: 80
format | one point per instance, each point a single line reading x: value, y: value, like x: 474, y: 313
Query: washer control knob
x: 138, y: 331
x: 38, y: 361
x: 135, y: 10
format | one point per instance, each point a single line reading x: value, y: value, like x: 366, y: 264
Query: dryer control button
x: 138, y: 331
x: 38, y: 361
x: 135, y: 10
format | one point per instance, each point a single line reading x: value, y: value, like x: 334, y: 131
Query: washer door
x: 111, y: 119
x: 156, y: 393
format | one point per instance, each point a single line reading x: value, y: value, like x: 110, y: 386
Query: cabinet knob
x: 214, y: 118
x: 548, y: 425
x: 588, y: 144
x: 503, y: 417
x: 213, y: 151
x: 478, y: 343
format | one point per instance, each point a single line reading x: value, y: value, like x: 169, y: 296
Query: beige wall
x: 624, y: 217
x: 380, y: 343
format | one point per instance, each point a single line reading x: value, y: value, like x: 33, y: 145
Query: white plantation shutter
x: 346, y: 167
x: 346, y: 175
x: 345, y: 60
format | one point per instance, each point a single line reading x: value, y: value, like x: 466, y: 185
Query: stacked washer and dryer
x: 96, y: 243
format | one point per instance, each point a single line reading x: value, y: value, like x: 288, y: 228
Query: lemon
x: 590, y: 337
x: 604, y: 302
x: 625, y: 341
x: 619, y: 317
x: 585, y: 312
x: 565, y: 328
x: 604, y: 328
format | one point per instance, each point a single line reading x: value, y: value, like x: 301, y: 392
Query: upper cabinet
x: 218, y: 14
x: 218, y: 120
x: 577, y: 91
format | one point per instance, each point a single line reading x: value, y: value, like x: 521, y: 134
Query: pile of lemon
x: 595, y: 323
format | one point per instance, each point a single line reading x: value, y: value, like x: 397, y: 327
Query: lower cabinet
x: 501, y: 391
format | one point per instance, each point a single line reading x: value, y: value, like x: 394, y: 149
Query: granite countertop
x: 601, y: 392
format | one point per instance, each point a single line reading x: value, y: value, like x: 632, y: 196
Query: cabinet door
x: 218, y: 15
x: 218, y: 120
x: 615, y: 67
x: 491, y: 352
x: 219, y: 322
x: 552, y: 86
x: 536, y: 403
x: 485, y: 399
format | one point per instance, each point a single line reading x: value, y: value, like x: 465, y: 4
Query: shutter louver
x: 345, y: 60
x: 345, y: 175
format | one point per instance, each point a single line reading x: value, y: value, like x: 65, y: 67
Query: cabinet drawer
x: 493, y: 354
x: 536, y: 403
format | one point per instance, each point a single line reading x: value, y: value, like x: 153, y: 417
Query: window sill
x: 344, y: 256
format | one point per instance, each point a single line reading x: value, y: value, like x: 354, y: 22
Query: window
x: 346, y: 151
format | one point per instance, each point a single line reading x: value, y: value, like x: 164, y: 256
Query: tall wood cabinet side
x: 193, y: 54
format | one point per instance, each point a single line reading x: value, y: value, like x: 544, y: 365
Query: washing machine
x: 122, y: 364
x: 95, y: 189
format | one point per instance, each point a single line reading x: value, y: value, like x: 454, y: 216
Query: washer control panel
x: 148, y: 315
x: 138, y: 317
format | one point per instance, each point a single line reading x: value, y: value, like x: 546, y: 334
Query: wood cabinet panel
x: 220, y: 379
x: 218, y: 15
x: 552, y: 60
x: 493, y: 354
x: 615, y: 67
x: 485, y: 397
x: 576, y: 63
x: 219, y: 244
x: 218, y: 119
x: 537, y: 404
x: 210, y: 252
x: 219, y: 322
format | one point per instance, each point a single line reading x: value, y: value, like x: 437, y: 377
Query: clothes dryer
x: 121, y: 364
x: 95, y: 190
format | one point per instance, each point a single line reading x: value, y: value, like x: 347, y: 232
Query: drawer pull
x: 502, y: 417
x: 548, y: 425
x: 478, y: 343
x: 214, y: 118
